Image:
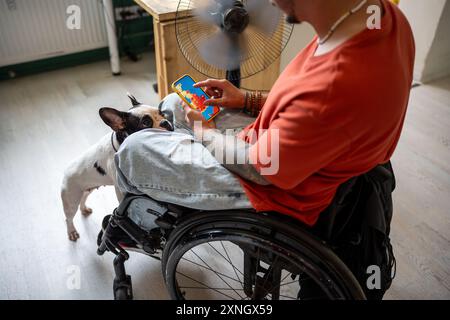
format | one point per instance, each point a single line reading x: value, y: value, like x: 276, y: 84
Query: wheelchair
x: 234, y: 254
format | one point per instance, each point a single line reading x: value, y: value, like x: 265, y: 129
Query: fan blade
x: 210, y: 11
x: 263, y: 15
x: 205, y: 10
x: 221, y: 51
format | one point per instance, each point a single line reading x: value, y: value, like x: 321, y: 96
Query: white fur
x: 81, y: 177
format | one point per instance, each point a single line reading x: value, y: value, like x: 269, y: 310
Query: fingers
x: 185, y: 106
x: 213, y: 92
x: 211, y: 83
x: 187, y: 109
x: 214, y: 102
x: 212, y: 124
x: 187, y: 112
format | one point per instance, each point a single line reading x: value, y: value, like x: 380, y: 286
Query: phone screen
x: 194, y: 97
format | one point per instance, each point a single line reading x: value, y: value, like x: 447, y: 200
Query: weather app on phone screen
x: 195, y: 97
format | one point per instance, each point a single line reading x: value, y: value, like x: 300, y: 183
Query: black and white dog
x: 95, y: 167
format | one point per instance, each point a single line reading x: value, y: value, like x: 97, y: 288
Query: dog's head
x: 139, y: 117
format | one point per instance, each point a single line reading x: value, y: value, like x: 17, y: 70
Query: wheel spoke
x: 227, y: 260
x: 214, y: 271
x: 234, y: 268
x: 280, y: 284
x: 206, y: 287
x: 285, y: 284
x: 285, y: 277
x: 198, y: 264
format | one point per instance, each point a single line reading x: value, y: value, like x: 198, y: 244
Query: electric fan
x: 232, y: 39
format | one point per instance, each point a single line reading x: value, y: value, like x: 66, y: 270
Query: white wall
x: 301, y: 36
x: 425, y: 18
x: 437, y: 64
x: 36, y: 29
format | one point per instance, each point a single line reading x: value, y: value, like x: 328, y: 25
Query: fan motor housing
x: 235, y: 19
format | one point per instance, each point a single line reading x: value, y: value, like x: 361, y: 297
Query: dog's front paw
x: 86, y: 211
x: 72, y: 232
x: 73, y: 236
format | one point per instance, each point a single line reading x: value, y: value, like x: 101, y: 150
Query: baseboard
x: 49, y: 64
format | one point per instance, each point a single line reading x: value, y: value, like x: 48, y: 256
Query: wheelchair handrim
x: 329, y: 286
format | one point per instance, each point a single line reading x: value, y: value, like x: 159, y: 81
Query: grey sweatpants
x: 173, y: 167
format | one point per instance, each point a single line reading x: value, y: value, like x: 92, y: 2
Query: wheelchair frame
x: 119, y: 234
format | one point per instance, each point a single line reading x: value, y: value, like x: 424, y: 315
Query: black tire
x: 270, y: 234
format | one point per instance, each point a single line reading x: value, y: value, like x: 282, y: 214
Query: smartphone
x: 194, y: 97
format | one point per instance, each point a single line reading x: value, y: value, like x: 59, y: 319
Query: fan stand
x: 234, y: 76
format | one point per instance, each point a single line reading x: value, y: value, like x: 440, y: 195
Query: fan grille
x: 261, y: 50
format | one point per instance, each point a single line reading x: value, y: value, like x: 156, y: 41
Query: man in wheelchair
x: 314, y: 164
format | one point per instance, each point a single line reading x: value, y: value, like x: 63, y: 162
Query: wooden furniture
x: 170, y: 62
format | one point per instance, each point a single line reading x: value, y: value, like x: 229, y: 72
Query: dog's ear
x: 133, y: 100
x: 114, y: 118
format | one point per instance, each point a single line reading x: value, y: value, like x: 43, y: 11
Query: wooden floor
x: 47, y: 120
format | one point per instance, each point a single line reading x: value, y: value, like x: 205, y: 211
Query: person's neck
x: 328, y: 16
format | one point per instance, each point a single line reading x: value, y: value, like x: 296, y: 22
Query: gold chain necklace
x: 340, y: 21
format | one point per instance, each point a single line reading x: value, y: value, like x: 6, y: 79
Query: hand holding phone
x: 194, y: 97
x: 224, y: 93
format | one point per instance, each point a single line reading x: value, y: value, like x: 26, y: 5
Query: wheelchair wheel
x: 252, y: 256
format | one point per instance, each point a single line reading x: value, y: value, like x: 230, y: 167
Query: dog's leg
x: 71, y: 198
x: 83, y: 208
